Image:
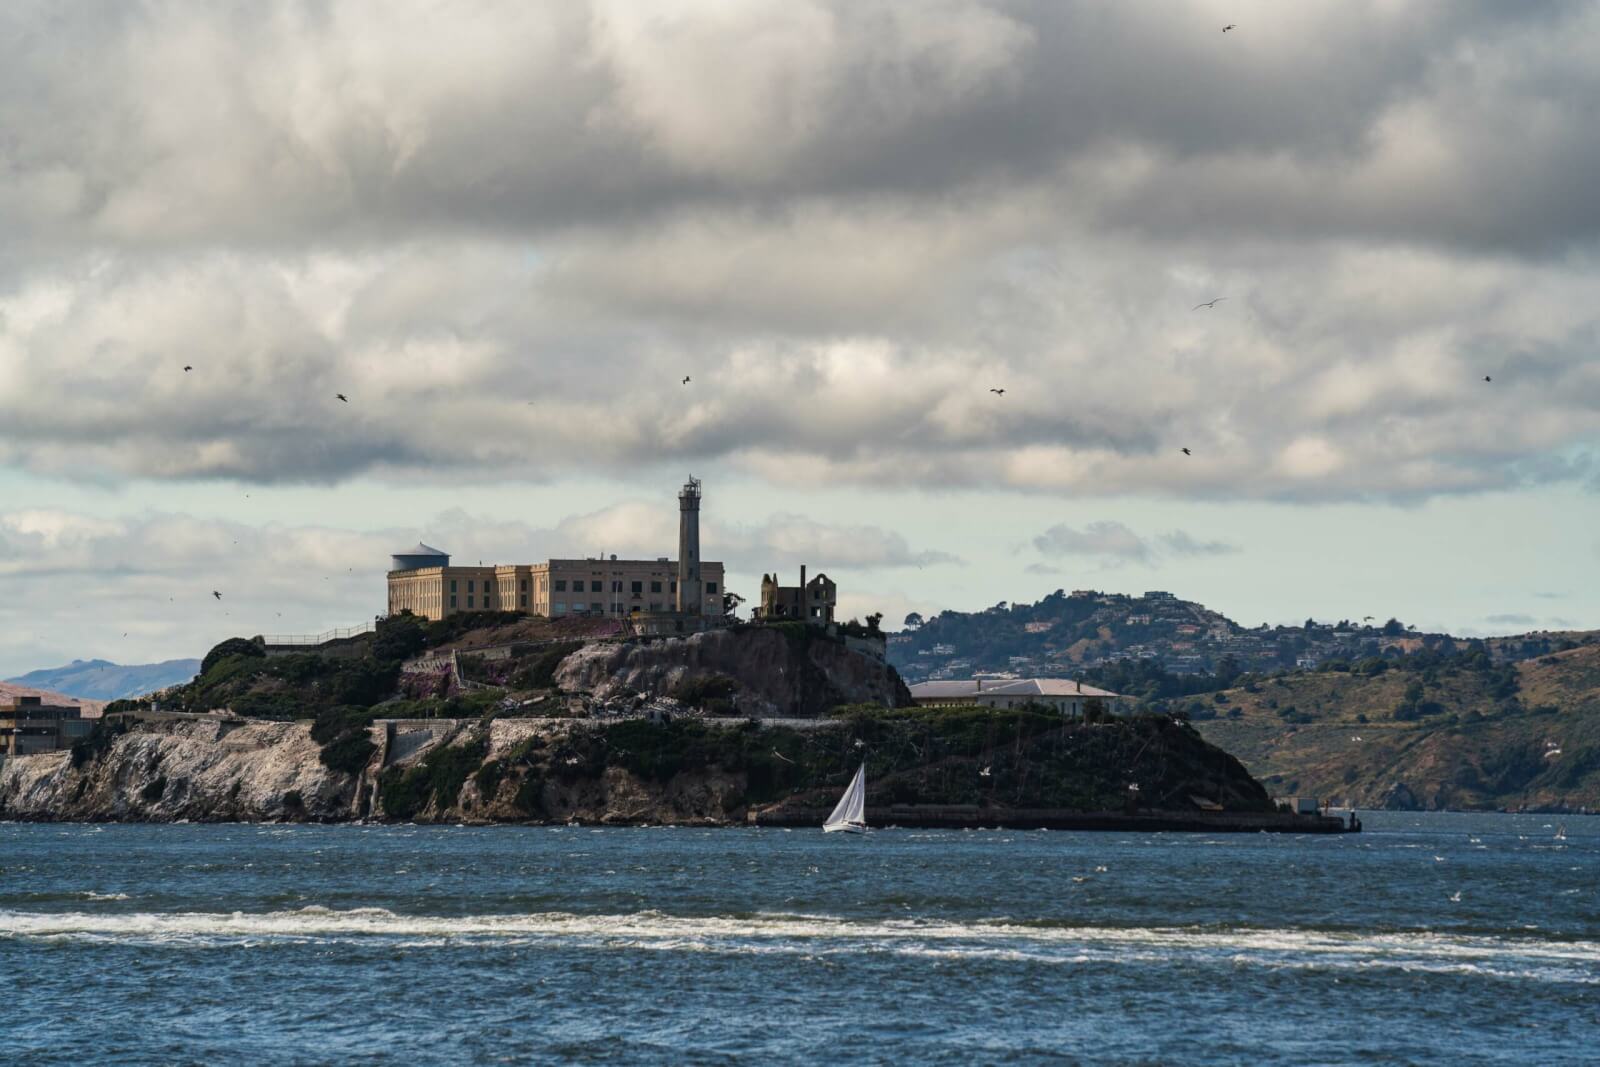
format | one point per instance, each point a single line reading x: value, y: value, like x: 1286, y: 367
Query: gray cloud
x: 1511, y: 619
x: 1114, y: 542
x: 1111, y: 540
x: 508, y: 237
x: 1180, y: 543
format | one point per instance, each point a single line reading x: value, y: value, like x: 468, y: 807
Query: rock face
x: 689, y: 771
x: 776, y: 671
x: 202, y: 771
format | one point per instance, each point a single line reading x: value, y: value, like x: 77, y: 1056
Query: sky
x: 506, y: 232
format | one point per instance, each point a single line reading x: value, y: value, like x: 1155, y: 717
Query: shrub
x: 541, y: 672
x: 713, y: 692
x: 350, y: 752
x: 101, y: 737
x: 488, y: 779
x: 439, y: 777
x: 530, y: 795
x: 233, y: 646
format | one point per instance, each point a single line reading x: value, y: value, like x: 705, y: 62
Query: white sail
x: 851, y: 812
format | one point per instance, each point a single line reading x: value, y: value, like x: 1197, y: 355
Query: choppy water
x: 276, y: 944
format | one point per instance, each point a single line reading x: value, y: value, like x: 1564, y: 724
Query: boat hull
x: 845, y: 828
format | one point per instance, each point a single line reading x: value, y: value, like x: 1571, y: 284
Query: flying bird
x: 1230, y: 26
x: 341, y: 396
x: 984, y: 772
x: 1487, y: 378
x: 1209, y: 303
x: 1366, y: 618
x: 998, y: 392
x: 1185, y: 451
x: 216, y: 594
x: 1455, y: 898
x: 685, y: 379
x: 187, y: 368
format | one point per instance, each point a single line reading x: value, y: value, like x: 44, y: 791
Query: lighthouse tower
x: 690, y: 597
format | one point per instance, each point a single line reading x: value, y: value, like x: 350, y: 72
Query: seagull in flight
x: 1230, y: 26
x: 998, y: 392
x: 1455, y: 898
x: 1209, y: 304
x: 1487, y: 378
x: 341, y: 396
x: 685, y: 379
x: 1185, y: 451
x: 187, y: 368
x: 216, y: 594
x: 984, y: 772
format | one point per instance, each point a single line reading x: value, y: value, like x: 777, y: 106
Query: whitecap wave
x: 782, y: 933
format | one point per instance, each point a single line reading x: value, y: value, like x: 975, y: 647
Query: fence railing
x: 317, y: 639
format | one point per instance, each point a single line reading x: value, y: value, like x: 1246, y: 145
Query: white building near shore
x: 1064, y: 694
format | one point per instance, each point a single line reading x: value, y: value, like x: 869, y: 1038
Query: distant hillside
x: 1455, y: 732
x: 1065, y: 633
x: 99, y: 679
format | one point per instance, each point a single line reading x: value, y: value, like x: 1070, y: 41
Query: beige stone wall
x: 554, y: 588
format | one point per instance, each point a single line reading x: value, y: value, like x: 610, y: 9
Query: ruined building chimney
x: 689, y: 595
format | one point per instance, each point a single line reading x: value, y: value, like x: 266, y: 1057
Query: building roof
x: 422, y: 550
x: 1020, y: 687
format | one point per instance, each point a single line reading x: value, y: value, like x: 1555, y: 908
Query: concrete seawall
x: 958, y: 817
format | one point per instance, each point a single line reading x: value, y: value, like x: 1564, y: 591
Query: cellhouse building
x: 662, y: 594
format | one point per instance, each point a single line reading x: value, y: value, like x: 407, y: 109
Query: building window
x: 638, y: 587
x: 452, y: 585
x: 469, y: 601
x: 711, y: 587
x: 524, y: 599
x: 595, y: 587
x: 524, y: 585
x: 452, y: 597
x: 558, y: 608
x: 596, y: 608
x: 561, y: 585
x: 655, y: 587
x: 674, y: 587
x: 655, y: 607
x: 616, y: 587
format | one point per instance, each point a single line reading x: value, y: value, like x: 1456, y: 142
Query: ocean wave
x: 769, y: 932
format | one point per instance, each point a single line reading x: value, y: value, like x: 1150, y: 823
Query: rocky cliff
x: 687, y: 771
x: 788, y: 670
x: 199, y: 770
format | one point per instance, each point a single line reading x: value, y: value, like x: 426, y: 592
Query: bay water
x: 1429, y: 938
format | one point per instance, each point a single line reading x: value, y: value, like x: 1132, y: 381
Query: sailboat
x: 1561, y: 832
x: 850, y: 815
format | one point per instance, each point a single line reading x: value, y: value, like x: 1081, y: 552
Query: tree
x: 730, y: 604
x: 913, y: 620
x: 874, y: 622
x: 1393, y: 628
x: 233, y: 646
x: 399, y: 637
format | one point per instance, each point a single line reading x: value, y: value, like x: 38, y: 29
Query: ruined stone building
x: 812, y: 601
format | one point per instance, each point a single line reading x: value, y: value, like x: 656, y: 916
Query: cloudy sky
x: 507, y: 231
